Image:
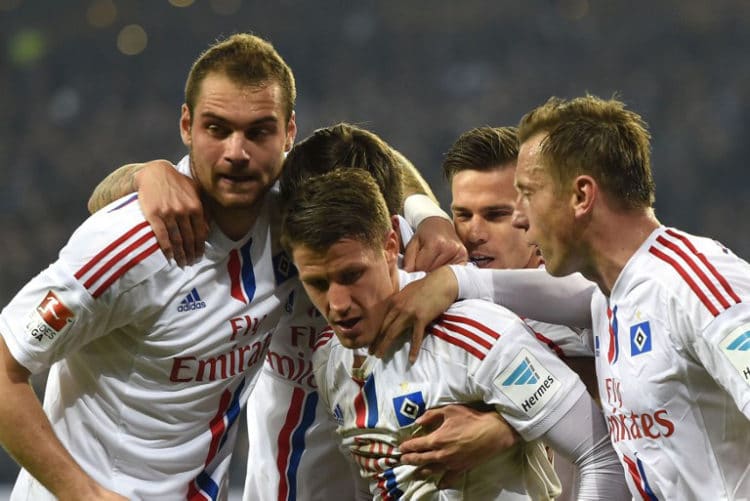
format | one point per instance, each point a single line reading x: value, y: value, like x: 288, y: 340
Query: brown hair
x: 597, y: 137
x: 483, y: 149
x: 246, y: 59
x: 343, y: 203
x: 345, y: 146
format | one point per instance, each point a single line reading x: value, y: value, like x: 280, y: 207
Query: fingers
x: 383, y: 343
x: 417, y: 336
x: 162, y: 237
x: 429, y: 471
x: 200, y: 234
x: 410, y: 255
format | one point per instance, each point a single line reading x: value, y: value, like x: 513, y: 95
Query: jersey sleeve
x: 722, y: 345
x: 79, y: 297
x: 529, y: 385
x: 531, y: 293
x: 705, y: 290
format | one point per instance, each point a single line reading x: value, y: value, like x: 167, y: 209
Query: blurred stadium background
x: 88, y: 85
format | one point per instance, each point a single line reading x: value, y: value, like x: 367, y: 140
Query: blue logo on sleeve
x: 640, y: 338
x: 408, y: 408
x: 742, y: 343
x: 523, y: 374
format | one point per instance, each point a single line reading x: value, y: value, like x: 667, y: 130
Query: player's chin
x: 244, y: 200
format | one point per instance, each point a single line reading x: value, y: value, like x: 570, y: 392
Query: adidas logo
x: 191, y: 302
x: 523, y: 374
x: 338, y: 415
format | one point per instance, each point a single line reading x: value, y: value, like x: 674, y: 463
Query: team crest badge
x: 408, y: 408
x: 640, y: 338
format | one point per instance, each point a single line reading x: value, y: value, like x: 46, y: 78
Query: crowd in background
x: 73, y: 107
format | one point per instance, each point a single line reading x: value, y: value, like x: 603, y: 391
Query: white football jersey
x: 150, y: 364
x: 673, y: 364
x: 477, y: 352
x: 293, y: 451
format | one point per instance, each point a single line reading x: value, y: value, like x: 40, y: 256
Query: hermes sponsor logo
x: 736, y: 347
x: 528, y: 383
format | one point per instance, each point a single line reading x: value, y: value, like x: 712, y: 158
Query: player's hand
x: 461, y: 438
x: 413, y: 308
x: 172, y: 206
x: 434, y: 244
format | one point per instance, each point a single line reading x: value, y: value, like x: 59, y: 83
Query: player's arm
x: 582, y: 437
x: 27, y: 435
x: 531, y: 293
x: 435, y: 241
x: 462, y: 437
x: 170, y: 202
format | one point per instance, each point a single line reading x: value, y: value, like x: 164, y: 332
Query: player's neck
x: 615, y: 243
x: 236, y: 223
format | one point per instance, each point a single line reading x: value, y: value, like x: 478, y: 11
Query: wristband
x: 419, y: 207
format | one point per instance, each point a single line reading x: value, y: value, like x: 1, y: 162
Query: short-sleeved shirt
x: 150, y: 364
x: 673, y: 364
x: 477, y: 352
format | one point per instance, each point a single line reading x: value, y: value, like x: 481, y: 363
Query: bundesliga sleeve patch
x: 736, y: 346
x: 49, y: 319
x: 528, y: 383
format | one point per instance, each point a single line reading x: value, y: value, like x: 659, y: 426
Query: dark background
x: 75, y: 103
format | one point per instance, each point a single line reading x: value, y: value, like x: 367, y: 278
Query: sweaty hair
x: 343, y: 203
x: 345, y: 146
x: 597, y: 137
x: 483, y: 149
x: 246, y: 60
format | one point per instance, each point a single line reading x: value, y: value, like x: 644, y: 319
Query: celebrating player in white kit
x: 671, y: 312
x: 671, y: 315
x: 150, y: 364
x: 339, y: 232
x: 293, y: 452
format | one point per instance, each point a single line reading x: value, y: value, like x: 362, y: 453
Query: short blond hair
x: 597, y: 137
x: 246, y: 59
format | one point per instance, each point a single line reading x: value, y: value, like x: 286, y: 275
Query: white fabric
x: 531, y: 293
x: 484, y: 365
x: 419, y: 207
x: 293, y: 447
x: 150, y: 364
x: 674, y: 372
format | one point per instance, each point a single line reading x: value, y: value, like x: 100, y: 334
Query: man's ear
x: 186, y: 123
x: 291, y: 132
x: 585, y: 193
x: 392, y: 246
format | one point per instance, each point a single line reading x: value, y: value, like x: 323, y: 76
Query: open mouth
x: 480, y: 260
x: 348, y: 323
